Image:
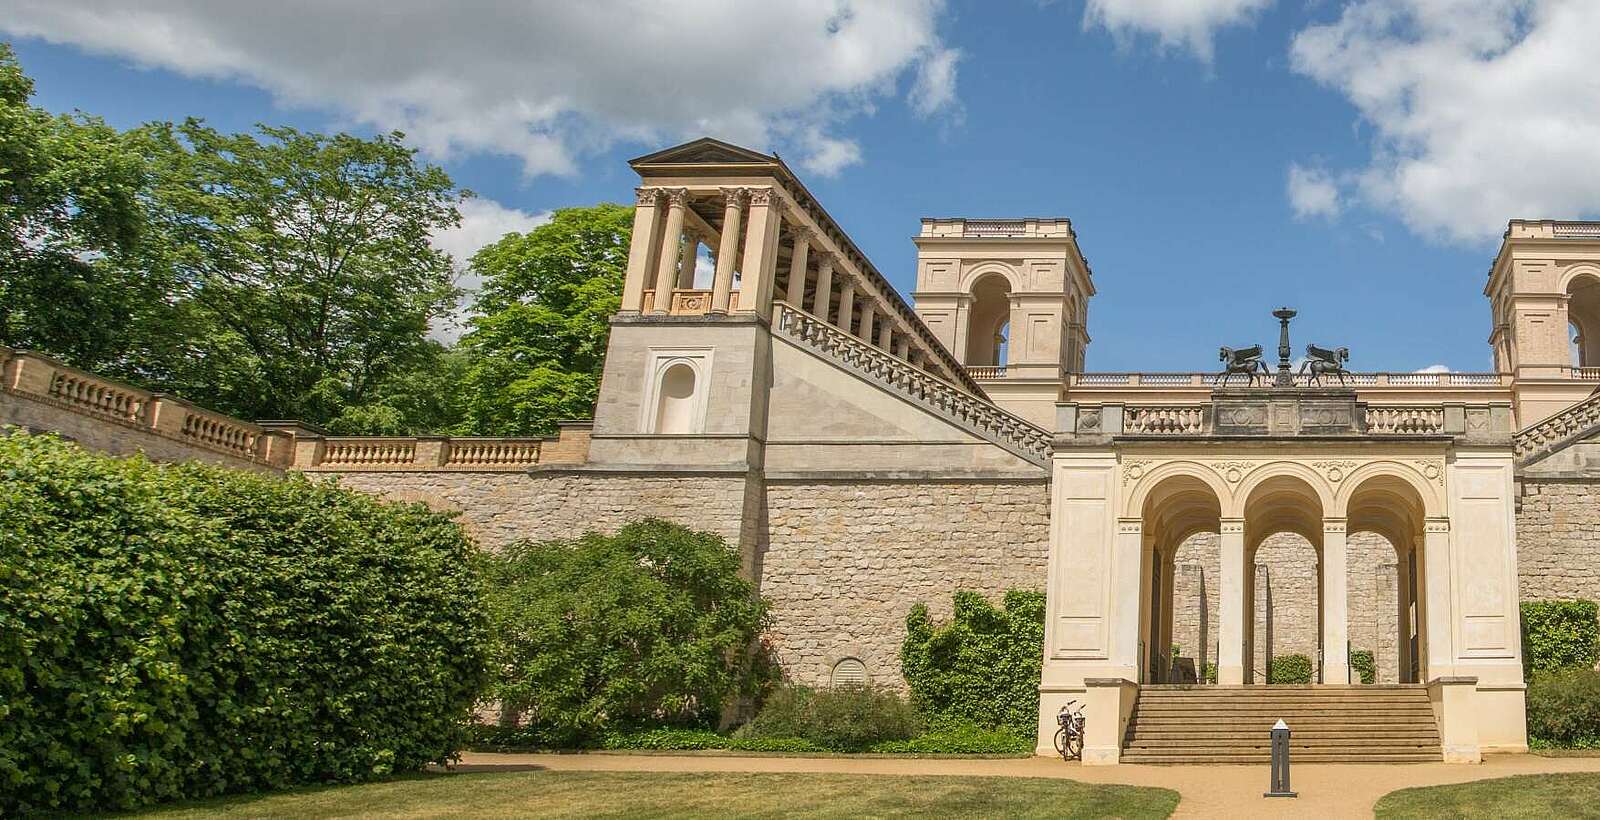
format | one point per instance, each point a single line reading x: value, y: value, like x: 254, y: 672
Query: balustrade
x: 99, y: 397
x: 492, y: 451
x: 221, y: 432
x: 987, y: 372
x: 1392, y: 420
x: 367, y: 452
x: 1165, y: 420
x: 1579, y: 420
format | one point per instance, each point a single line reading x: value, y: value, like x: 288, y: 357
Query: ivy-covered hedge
x: 982, y: 667
x: 1559, y: 635
x: 1364, y: 665
x: 1289, y: 669
x: 184, y: 631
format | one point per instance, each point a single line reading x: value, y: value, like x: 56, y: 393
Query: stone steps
x: 1232, y: 724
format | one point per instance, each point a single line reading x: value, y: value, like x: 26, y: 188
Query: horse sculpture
x: 1322, y: 361
x: 1246, y: 360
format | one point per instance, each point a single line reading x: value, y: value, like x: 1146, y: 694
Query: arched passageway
x: 987, y: 322
x: 1583, y: 313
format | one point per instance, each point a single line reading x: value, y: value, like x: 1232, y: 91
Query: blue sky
x: 1169, y: 132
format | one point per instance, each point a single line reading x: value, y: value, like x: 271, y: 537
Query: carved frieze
x: 1134, y: 470
x: 1335, y: 471
x: 1232, y: 472
x: 1433, y: 471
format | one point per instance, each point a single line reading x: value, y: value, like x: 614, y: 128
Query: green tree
x: 653, y: 624
x: 69, y: 213
x: 307, y: 259
x: 540, y: 323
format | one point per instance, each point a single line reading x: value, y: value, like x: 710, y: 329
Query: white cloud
x: 483, y: 221
x: 1179, y: 25
x: 1435, y: 368
x: 542, y: 80
x: 1312, y: 192
x: 1481, y: 110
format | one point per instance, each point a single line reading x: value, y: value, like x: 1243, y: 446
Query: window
x: 849, y: 671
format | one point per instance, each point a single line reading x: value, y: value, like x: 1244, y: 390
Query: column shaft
x: 642, y: 249
x: 869, y: 312
x: 1335, y: 603
x: 1231, y: 605
x: 797, y: 269
x: 886, y: 334
x: 727, y: 249
x: 671, y: 249
x: 760, y: 263
x: 847, y: 307
x: 1438, y: 614
x: 691, y: 257
x: 824, y: 298
x: 1129, y: 577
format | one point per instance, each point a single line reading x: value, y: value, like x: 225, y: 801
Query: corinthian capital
x: 736, y: 197
x: 646, y: 196
x: 764, y: 196
x: 677, y: 197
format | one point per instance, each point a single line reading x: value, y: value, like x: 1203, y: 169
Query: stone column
x: 886, y: 334
x: 1128, y: 578
x: 691, y: 257
x: 824, y: 298
x: 902, y: 347
x: 847, y: 307
x: 671, y: 248
x: 727, y: 249
x: 760, y: 252
x: 1231, y: 604
x: 796, y: 294
x: 642, y: 249
x: 1335, y: 603
x: 869, y: 312
x: 1438, y: 613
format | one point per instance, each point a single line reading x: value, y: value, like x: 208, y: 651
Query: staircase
x: 1328, y: 724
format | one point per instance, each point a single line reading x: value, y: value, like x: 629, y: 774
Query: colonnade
x: 764, y: 241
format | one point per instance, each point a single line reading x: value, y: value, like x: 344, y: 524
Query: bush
x: 184, y: 631
x: 1559, y: 635
x: 1564, y: 708
x: 839, y: 718
x: 1290, y: 669
x: 981, y: 668
x: 651, y: 627
x: 1365, y: 667
x: 1211, y: 673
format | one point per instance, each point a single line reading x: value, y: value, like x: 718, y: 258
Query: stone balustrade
x: 942, y: 398
x: 1355, y: 379
x: 1165, y: 420
x: 42, y: 379
x: 1389, y: 420
x: 692, y: 301
x: 1576, y: 422
x: 354, y: 454
x: 986, y: 372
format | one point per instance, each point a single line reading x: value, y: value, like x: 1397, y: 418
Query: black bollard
x: 1280, y: 762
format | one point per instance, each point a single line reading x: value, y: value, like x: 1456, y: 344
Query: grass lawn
x: 1527, y: 796
x: 589, y: 795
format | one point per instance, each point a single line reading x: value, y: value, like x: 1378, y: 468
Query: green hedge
x: 652, y: 626
x: 1290, y: 669
x: 982, y: 667
x: 1559, y: 635
x: 849, y: 718
x: 1363, y: 664
x: 1564, y: 709
x: 176, y: 632
x: 956, y: 740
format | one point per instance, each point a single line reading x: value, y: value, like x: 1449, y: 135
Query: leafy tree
x: 423, y: 399
x: 307, y: 259
x: 541, y: 320
x: 653, y: 624
x: 69, y: 211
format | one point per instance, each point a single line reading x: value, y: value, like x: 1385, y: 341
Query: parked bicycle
x: 1069, y: 738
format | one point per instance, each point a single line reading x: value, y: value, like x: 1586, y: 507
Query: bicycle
x: 1069, y: 738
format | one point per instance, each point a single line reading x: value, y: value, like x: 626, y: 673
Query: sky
x: 1354, y: 159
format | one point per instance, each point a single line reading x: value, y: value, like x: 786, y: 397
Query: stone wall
x: 844, y: 561
x: 1286, y: 613
x: 500, y: 507
x: 1558, y: 538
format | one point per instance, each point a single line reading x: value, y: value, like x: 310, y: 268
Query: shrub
x: 184, y: 631
x: 981, y: 668
x: 650, y: 627
x: 1564, y: 708
x: 1559, y: 635
x: 1290, y: 669
x: 1363, y: 664
x: 839, y: 718
x: 1211, y: 673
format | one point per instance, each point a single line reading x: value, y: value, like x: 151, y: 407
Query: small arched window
x: 675, y: 400
x: 849, y: 672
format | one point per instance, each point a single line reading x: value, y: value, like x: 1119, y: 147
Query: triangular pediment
x: 703, y: 151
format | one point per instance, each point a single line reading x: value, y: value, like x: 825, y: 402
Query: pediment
x: 703, y: 151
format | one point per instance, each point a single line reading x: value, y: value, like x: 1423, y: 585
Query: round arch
x: 1311, y: 479
x: 1425, y: 491
x: 973, y: 277
x: 1148, y: 481
x: 1575, y: 274
x: 988, y: 314
x: 1581, y: 284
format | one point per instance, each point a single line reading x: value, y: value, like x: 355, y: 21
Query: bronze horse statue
x: 1323, y: 361
x: 1246, y: 360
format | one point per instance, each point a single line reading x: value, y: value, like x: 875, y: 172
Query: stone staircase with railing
x: 1548, y: 437
x: 1327, y: 724
x: 937, y: 396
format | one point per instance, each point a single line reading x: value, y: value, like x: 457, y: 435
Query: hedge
x: 1289, y: 669
x: 982, y: 667
x: 1364, y: 665
x: 184, y: 631
x: 1564, y: 709
x: 650, y: 627
x: 850, y: 718
x: 1559, y: 635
